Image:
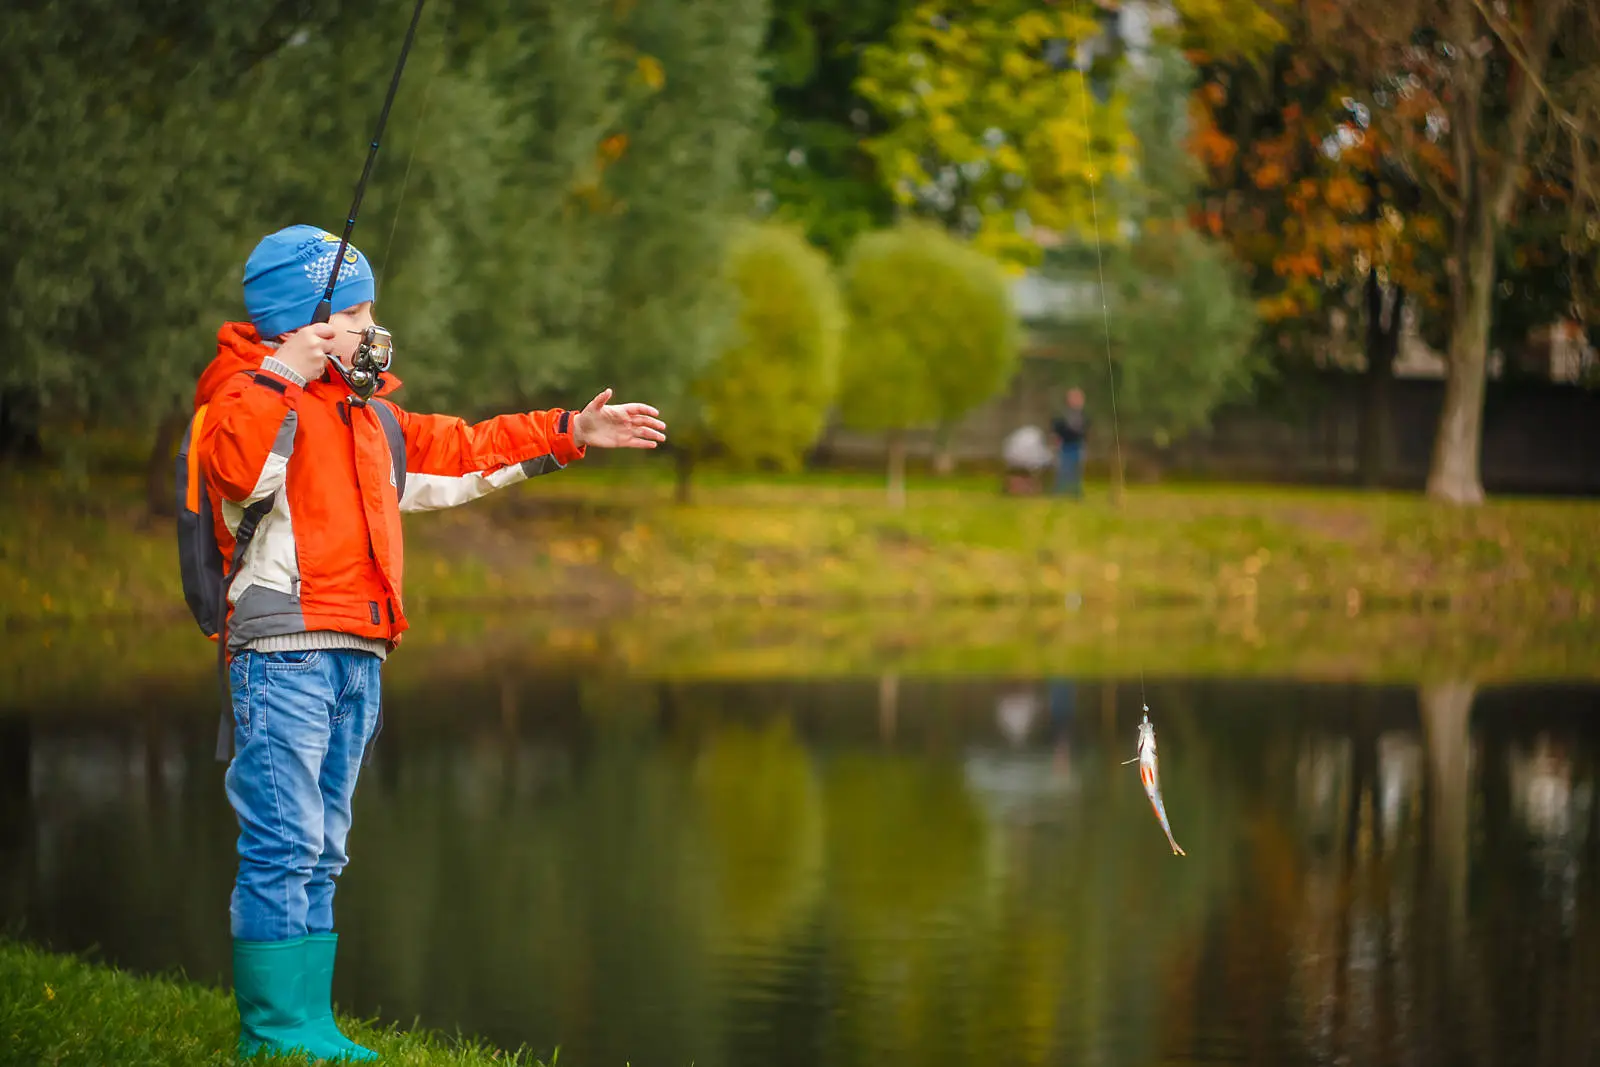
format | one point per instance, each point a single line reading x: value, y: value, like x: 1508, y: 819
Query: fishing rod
x: 376, y: 350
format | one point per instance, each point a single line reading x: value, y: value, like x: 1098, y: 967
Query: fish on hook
x: 1150, y: 775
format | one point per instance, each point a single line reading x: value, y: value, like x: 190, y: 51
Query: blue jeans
x: 301, y: 724
x: 1069, y: 469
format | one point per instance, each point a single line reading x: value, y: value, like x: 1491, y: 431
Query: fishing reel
x: 372, y: 357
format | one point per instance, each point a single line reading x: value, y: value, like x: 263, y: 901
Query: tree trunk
x: 19, y: 425
x: 158, y: 469
x: 897, y: 468
x: 1383, y: 345
x: 684, y: 468
x: 1453, y: 475
x: 944, y: 459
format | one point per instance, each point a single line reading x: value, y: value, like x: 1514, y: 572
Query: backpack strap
x: 242, y: 537
x: 390, y: 421
x: 241, y: 541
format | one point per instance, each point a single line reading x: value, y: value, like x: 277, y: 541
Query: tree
x: 1182, y: 321
x: 932, y: 334
x: 586, y: 162
x: 1309, y: 192
x: 990, y: 133
x: 766, y: 396
x: 814, y: 167
x: 1499, y: 92
x: 547, y: 213
x: 110, y: 127
x: 1182, y: 327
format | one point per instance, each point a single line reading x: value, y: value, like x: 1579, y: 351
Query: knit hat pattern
x: 285, y: 277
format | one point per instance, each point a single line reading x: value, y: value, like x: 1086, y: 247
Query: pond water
x: 884, y: 871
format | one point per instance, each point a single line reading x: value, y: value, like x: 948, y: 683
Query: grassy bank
x: 60, y: 1010
x: 598, y: 570
x: 611, y: 537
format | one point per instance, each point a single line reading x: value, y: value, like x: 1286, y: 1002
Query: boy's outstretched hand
x: 605, y: 425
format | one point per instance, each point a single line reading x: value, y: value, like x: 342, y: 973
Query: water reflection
x: 890, y: 870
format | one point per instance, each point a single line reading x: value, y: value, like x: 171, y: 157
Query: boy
x: 314, y: 603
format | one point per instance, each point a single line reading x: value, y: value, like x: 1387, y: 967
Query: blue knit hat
x: 285, y: 276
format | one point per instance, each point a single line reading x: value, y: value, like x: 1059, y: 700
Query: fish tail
x: 1166, y: 827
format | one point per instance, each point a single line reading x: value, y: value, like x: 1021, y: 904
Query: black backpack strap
x: 390, y: 421
x: 241, y: 541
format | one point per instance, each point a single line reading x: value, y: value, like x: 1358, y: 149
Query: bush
x: 765, y: 397
x: 932, y: 334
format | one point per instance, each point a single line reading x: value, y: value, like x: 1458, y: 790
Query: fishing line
x: 405, y: 180
x: 1099, y: 257
x: 1149, y: 772
x: 324, y: 308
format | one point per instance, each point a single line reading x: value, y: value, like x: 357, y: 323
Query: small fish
x: 1150, y: 775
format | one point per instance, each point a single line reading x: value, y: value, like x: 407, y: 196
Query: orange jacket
x: 329, y: 555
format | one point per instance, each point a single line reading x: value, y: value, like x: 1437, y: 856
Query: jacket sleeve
x: 248, y: 434
x: 450, y: 461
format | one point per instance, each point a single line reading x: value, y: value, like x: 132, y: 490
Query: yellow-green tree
x: 991, y: 123
x: 932, y: 334
x: 766, y: 396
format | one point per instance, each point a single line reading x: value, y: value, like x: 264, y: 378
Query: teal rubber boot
x: 319, y: 953
x: 272, y: 986
x: 269, y: 989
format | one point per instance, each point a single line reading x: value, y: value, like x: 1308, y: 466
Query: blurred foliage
x: 547, y: 212
x: 1177, y: 322
x: 987, y: 133
x: 1305, y: 187
x: 1183, y: 325
x: 932, y: 331
x: 766, y: 396
x: 814, y: 168
x: 1232, y: 31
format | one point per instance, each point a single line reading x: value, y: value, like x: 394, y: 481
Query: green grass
x: 61, y: 1010
x: 613, y: 535
x: 597, y: 567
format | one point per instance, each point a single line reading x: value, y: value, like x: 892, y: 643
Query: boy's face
x: 348, y: 326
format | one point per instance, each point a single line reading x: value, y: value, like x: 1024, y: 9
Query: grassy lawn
x: 59, y: 1010
x: 598, y: 569
x: 608, y: 536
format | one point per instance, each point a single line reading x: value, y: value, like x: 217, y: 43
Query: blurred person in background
x: 1070, y: 426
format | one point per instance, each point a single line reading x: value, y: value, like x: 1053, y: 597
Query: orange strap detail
x: 192, y: 497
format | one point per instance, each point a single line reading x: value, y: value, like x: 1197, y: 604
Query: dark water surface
x: 888, y: 871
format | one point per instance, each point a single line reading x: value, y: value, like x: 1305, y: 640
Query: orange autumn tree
x: 1499, y: 97
x: 1305, y: 187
